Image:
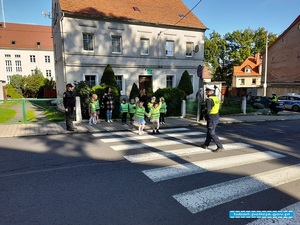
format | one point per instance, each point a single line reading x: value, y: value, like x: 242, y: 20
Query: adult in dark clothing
x: 211, y: 113
x: 108, y: 104
x: 143, y: 97
x: 69, y: 104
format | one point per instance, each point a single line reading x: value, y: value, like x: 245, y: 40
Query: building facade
x: 24, y: 48
x: 283, y: 63
x: 150, y: 43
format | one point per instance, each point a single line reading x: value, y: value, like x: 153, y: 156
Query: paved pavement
x: 49, y: 128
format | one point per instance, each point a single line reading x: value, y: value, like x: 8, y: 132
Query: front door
x: 146, y: 82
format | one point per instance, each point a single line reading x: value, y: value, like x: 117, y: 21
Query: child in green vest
x: 140, y: 114
x: 124, y: 108
x: 97, y: 105
x: 132, y: 110
x: 154, y: 114
x: 163, y: 111
x: 92, y: 111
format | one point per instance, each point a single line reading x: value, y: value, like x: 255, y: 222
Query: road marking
x: 146, y: 137
x: 180, y: 152
x: 158, y: 143
x: 121, y: 133
x: 186, y: 169
x: 277, y: 221
x: 204, y: 198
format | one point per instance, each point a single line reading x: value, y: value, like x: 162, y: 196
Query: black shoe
x: 203, y: 146
x: 74, y: 128
x: 153, y: 132
x: 157, y: 131
x: 218, y: 149
x: 70, y: 129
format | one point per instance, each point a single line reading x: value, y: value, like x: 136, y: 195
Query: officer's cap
x: 209, y: 88
x: 69, y: 85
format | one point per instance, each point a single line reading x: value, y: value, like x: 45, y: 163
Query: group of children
x: 156, y: 113
x: 137, y: 112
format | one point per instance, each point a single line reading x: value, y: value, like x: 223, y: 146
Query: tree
x: 17, y: 81
x: 185, y: 83
x: 33, y: 83
x: 108, y: 77
x: 134, y: 91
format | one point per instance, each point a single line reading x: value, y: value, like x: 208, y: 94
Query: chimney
x: 257, y: 58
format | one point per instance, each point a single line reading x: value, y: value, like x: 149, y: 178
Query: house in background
x: 283, y: 63
x: 23, y: 48
x: 247, y: 77
x: 150, y: 43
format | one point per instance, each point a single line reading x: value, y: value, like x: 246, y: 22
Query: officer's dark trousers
x: 211, y: 133
x: 70, y: 118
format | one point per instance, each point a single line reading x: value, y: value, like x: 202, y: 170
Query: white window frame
x: 18, y: 64
x: 88, y: 42
x: 7, y: 55
x: 47, y: 58
x: 122, y: 91
x: 254, y: 80
x: 116, y: 44
x: 145, y: 44
x: 248, y: 70
x: 173, y: 80
x: 189, y: 49
x: 242, y: 81
x: 169, y: 48
x: 32, y: 58
x: 8, y: 66
x: 48, y: 73
x: 91, y: 74
x: 17, y: 56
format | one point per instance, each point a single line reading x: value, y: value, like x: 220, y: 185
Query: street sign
x: 149, y: 71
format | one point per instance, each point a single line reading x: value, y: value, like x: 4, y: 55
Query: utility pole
x: 3, y: 17
x: 266, y: 66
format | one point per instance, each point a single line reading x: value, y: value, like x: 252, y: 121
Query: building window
x: 144, y: 46
x: 189, y: 49
x: 32, y: 71
x: 47, y: 58
x: 8, y: 79
x: 248, y: 70
x: 32, y: 58
x: 170, y: 81
x: 253, y: 81
x: 121, y: 83
x: 88, y: 42
x: 90, y: 80
x: 18, y: 66
x: 48, y: 73
x: 116, y: 43
x: 169, y: 48
x: 243, y: 81
x: 8, y: 66
x: 7, y: 55
x: 17, y: 56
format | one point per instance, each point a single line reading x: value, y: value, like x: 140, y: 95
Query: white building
x: 23, y: 48
x: 150, y: 43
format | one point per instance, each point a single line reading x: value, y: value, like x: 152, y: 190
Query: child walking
x: 124, y: 108
x: 132, y: 110
x: 140, y: 114
x: 154, y: 115
x: 163, y: 111
x: 92, y: 111
x: 97, y: 106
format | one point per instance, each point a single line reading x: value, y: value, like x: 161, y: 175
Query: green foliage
x: 11, y: 92
x: 108, y: 77
x: 221, y: 54
x: 49, y: 84
x: 185, y: 83
x: 83, y: 90
x: 173, y: 98
x: 6, y: 114
x: 33, y: 84
x: 258, y: 106
x: 134, y: 91
x: 17, y: 81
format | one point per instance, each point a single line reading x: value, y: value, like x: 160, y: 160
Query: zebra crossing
x: 182, y: 141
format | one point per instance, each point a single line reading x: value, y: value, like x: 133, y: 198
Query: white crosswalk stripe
x: 204, y: 198
x: 186, y: 169
x: 208, y: 197
x: 180, y: 152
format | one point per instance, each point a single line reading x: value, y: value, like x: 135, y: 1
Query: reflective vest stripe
x: 124, y: 107
x: 140, y: 112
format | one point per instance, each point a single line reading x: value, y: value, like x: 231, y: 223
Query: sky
x: 221, y: 16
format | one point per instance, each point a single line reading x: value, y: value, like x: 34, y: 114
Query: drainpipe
x: 63, y: 49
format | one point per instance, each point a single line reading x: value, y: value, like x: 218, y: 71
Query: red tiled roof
x: 25, y: 36
x: 251, y: 62
x: 159, y: 12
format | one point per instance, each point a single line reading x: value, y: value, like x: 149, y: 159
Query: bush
x: 12, y: 92
x: 134, y: 91
x: 83, y: 90
x: 258, y: 106
x: 173, y: 98
x: 185, y: 83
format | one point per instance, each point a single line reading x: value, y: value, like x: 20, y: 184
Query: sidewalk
x: 48, y: 128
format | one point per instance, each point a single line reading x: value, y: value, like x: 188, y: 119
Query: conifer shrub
x: 185, y: 83
x: 134, y: 91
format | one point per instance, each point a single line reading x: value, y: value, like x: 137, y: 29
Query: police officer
x: 274, y: 100
x: 69, y: 104
x: 211, y: 113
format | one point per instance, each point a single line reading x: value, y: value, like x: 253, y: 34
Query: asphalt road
x: 123, y: 178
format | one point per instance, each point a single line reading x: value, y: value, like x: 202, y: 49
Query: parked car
x: 290, y: 101
x: 266, y: 102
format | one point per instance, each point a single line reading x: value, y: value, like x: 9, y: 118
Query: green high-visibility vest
x: 124, y: 107
x: 132, y: 108
x: 163, y: 107
x: 155, y: 113
x: 140, y: 112
x: 216, y: 107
